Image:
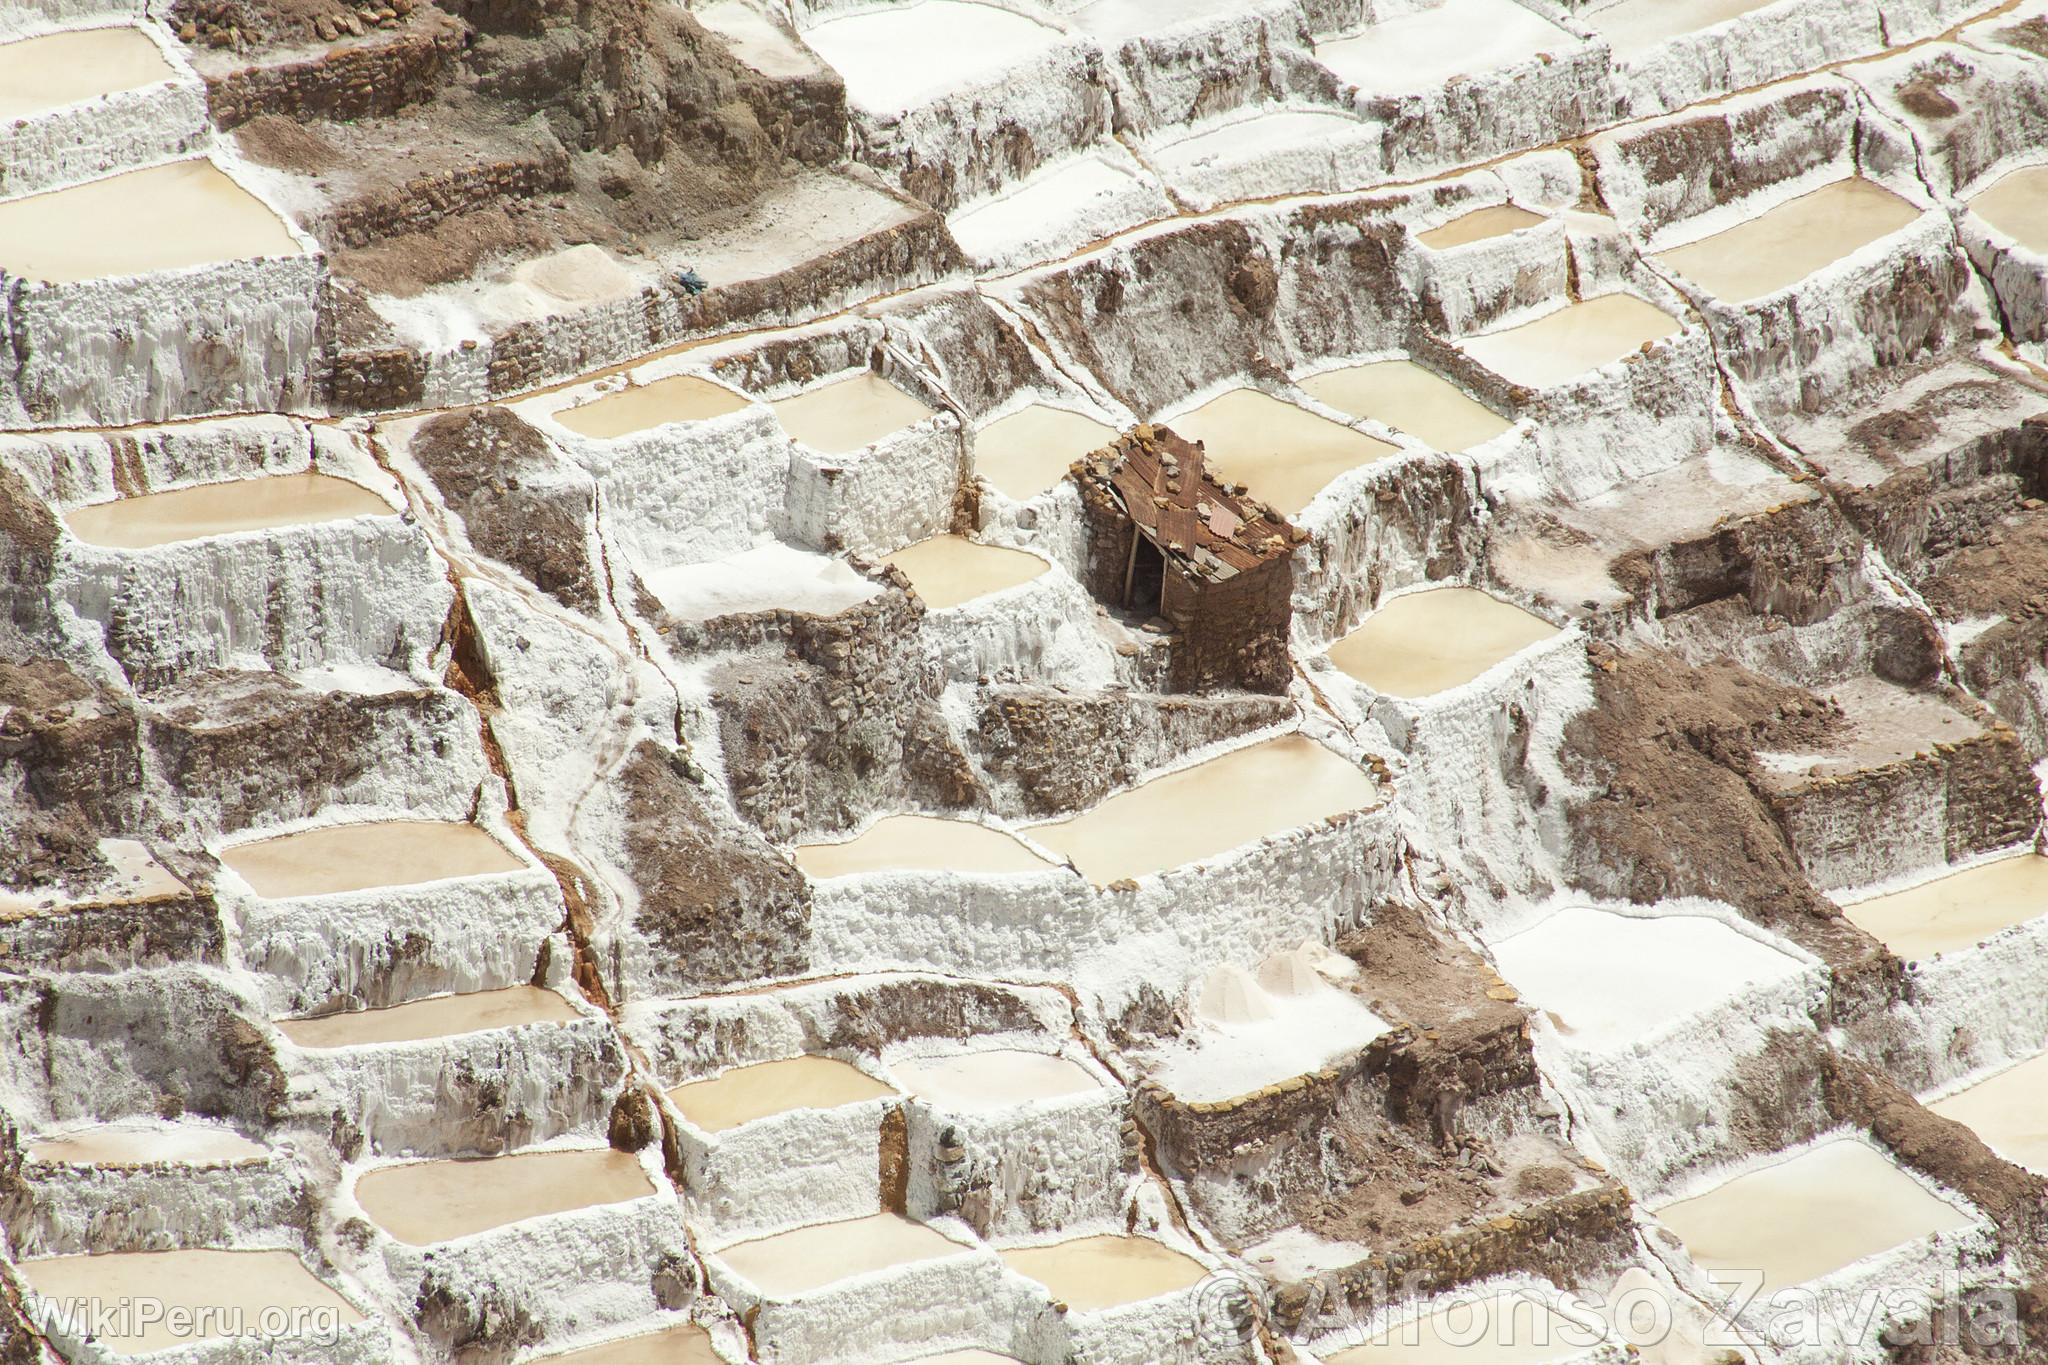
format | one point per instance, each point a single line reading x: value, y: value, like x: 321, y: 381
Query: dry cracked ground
x: 580, y: 780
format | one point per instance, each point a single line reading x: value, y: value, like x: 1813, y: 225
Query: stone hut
x: 1167, y: 539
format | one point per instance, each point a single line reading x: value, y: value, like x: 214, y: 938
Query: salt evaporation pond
x: 920, y: 843
x: 770, y: 577
x: 1409, y: 398
x: 949, y: 570
x: 1501, y: 1329
x: 165, y: 217
x: 974, y: 1082
x: 1028, y: 452
x: 443, y: 1016
x: 1092, y: 1273
x: 1420, y: 51
x: 746, y: 1093
x: 1608, y: 979
x: 38, y: 75
x: 790, y: 1264
x: 438, y: 1201
x: 214, y: 509
x: 358, y: 857
x: 1781, y: 247
x: 685, y: 1345
x: 1284, y: 454
x: 143, y: 1142
x: 1569, y: 342
x: 1634, y: 27
x: 1426, y: 642
x: 2009, y: 1111
x: 1480, y: 225
x: 1211, y: 808
x: 2017, y: 205
x: 1797, y: 1220
x: 1958, y: 911
x: 848, y: 414
x: 905, y: 56
x: 1258, y: 1031
x: 643, y: 407
x: 200, y: 1287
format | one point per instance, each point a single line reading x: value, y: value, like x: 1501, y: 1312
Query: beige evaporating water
x: 1029, y: 451
x: 679, y: 398
x: 921, y: 843
x: 848, y: 414
x: 1091, y: 1273
x: 1634, y: 27
x: 1480, y: 225
x: 995, y: 1079
x: 1284, y: 454
x: 746, y: 1093
x: 437, y: 1201
x: 1565, y: 344
x: 2017, y: 205
x: 790, y: 1264
x: 144, y: 1144
x: 159, y: 218
x: 1210, y: 808
x: 1503, y: 1329
x: 211, y: 1285
x: 685, y: 1345
x: 949, y: 570
x: 1958, y: 911
x: 59, y: 69
x: 444, y: 1016
x: 1409, y: 398
x: 2009, y: 1111
x: 1783, y: 246
x: 214, y: 509
x: 337, y: 858
x: 1798, y: 1220
x: 1425, y: 642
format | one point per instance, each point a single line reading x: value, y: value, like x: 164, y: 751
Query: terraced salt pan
x: 1569, y: 342
x: 1781, y: 247
x: 679, y: 398
x: 144, y: 1142
x: 993, y: 1079
x: 426, y: 1202
x: 50, y: 72
x: 214, y: 509
x: 1211, y: 808
x: 1797, y: 1220
x: 746, y: 1093
x: 1608, y: 979
x: 2009, y: 1111
x: 357, y: 857
x: 444, y: 1016
x: 1093, y: 1273
x: 1427, y: 642
x: 210, y: 1286
x: 1283, y: 136
x: 134, y: 875
x: 1058, y: 209
x: 757, y: 40
x: 900, y: 58
x: 1635, y: 27
x: 848, y: 414
x: 1254, y: 1032
x: 1407, y: 397
x: 1480, y: 225
x: 967, y: 1358
x: 922, y: 843
x: 950, y: 570
x: 2017, y: 205
x: 1503, y: 1329
x: 684, y: 1345
x: 1119, y: 19
x: 1957, y: 911
x: 771, y: 577
x: 1420, y: 51
x: 1284, y: 454
x: 790, y: 1264
x: 1028, y: 452
x: 165, y: 217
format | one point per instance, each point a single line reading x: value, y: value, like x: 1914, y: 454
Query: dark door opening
x: 1148, y: 578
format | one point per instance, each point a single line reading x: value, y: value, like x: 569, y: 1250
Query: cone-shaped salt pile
x: 1230, y: 996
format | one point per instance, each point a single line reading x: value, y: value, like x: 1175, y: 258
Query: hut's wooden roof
x: 1164, y: 486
